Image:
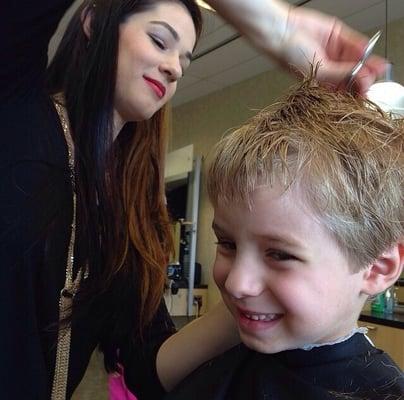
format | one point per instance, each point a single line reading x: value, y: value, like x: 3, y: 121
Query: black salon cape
x: 35, y: 221
x: 350, y: 370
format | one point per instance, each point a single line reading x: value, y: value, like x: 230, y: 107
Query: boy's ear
x: 384, y: 271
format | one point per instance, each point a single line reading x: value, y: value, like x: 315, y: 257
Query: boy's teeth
x: 261, y: 317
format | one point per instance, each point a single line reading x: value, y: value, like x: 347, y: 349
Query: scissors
x: 368, y: 51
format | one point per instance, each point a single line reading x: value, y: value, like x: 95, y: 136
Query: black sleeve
x: 31, y: 217
x: 35, y: 215
x: 35, y: 200
x: 139, y: 358
x: 26, y: 27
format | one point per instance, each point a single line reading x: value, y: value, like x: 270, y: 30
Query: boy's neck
x: 339, y: 340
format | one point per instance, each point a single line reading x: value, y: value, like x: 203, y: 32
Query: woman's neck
x: 119, y: 122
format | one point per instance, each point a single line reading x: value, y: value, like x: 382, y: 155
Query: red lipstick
x: 157, y: 86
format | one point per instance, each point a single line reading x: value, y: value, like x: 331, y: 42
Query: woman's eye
x: 158, y: 42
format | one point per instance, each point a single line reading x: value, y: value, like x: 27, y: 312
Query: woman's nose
x: 171, y: 67
x: 244, y: 281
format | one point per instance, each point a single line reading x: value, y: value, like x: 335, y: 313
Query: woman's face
x: 155, y: 49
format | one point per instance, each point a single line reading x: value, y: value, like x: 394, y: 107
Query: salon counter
x: 395, y: 320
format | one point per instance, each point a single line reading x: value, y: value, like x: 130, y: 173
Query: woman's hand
x: 315, y: 37
x: 298, y: 37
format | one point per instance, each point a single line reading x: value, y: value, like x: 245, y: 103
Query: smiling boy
x: 309, y: 220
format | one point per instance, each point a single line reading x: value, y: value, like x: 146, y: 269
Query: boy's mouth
x: 249, y: 321
x: 261, y: 317
x: 256, y: 316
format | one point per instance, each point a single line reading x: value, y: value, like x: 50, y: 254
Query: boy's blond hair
x: 344, y: 152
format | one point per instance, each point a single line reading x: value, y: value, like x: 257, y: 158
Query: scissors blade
x: 367, y: 52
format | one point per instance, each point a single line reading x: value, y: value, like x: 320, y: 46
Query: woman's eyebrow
x: 174, y: 34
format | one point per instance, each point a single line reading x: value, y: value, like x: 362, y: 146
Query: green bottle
x: 378, y: 304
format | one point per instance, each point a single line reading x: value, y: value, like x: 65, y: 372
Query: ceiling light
x: 204, y: 5
x: 387, y: 94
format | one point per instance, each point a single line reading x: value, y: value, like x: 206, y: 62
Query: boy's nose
x: 244, y: 282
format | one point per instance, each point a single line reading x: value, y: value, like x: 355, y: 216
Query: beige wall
x: 203, y: 121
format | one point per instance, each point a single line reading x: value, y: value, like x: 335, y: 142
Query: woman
x: 97, y: 231
x: 120, y: 227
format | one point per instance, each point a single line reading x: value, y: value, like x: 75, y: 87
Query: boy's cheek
x: 220, y: 272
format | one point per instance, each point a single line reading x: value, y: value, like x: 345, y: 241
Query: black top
x: 353, y: 369
x: 35, y: 219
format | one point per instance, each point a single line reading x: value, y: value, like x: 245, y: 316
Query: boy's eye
x: 226, y: 245
x: 158, y: 42
x: 279, y: 255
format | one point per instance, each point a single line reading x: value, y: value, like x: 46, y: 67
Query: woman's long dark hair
x: 123, y: 231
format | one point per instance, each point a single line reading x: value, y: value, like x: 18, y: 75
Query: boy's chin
x: 265, y: 346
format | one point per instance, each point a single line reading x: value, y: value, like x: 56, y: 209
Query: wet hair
x: 123, y: 234
x: 345, y: 154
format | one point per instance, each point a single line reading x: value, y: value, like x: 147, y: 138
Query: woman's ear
x: 86, y: 16
x: 384, y: 271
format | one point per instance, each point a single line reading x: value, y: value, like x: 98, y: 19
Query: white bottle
x: 389, y: 301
